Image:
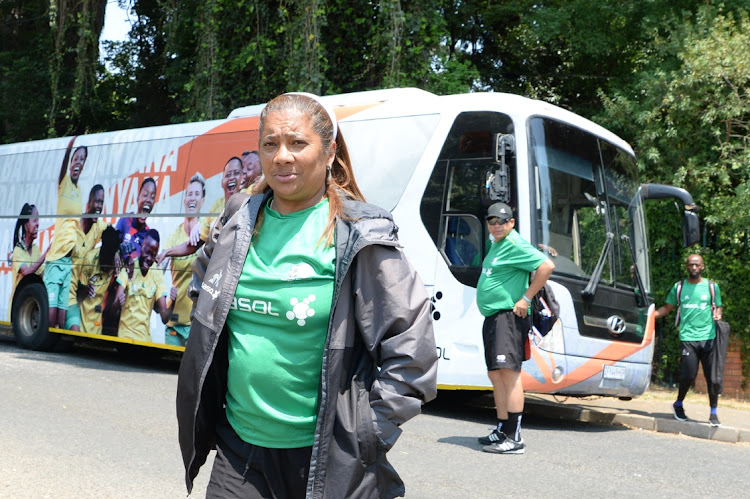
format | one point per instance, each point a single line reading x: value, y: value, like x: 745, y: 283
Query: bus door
x: 452, y: 210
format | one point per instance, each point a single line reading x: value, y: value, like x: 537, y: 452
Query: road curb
x: 543, y: 408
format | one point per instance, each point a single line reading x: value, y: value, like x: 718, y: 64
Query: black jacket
x: 379, y: 362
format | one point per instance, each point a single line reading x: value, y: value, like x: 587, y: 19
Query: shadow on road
x: 478, y: 407
x: 91, y: 354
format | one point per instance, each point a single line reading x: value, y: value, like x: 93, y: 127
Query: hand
x: 126, y: 248
x: 173, y: 294
x: 160, y: 257
x: 521, y: 308
x: 549, y: 249
x: 195, y: 235
x: 717, y: 315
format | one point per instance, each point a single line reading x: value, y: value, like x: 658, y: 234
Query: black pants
x: 244, y: 470
x: 692, y: 353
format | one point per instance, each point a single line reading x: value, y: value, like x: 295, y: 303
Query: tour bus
x: 435, y: 162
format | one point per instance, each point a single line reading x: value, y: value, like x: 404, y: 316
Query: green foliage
x: 25, y: 42
x: 687, y: 115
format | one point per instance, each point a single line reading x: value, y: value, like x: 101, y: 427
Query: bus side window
x: 462, y: 241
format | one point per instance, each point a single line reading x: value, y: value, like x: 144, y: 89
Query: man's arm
x: 663, y: 311
x: 165, y: 307
x: 183, y: 249
x: 542, y: 273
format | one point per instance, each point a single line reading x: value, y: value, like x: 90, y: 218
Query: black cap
x: 500, y: 210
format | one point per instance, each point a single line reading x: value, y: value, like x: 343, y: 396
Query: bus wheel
x: 31, y: 318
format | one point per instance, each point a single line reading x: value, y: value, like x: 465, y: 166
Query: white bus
x: 436, y: 162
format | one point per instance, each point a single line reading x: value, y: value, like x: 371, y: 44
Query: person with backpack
x: 504, y: 297
x: 698, y: 303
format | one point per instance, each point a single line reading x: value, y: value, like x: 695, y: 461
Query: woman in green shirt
x: 312, y: 329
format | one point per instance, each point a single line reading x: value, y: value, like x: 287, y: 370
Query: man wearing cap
x: 504, y: 297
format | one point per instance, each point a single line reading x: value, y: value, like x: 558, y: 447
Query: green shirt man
x: 697, y: 333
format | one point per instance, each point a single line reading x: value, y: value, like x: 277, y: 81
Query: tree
x: 688, y: 115
x: 25, y: 44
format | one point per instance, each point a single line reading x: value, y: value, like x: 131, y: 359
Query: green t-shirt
x: 278, y: 324
x: 505, y: 273
x: 696, y: 317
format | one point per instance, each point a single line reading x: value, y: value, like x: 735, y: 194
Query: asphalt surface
x: 645, y: 414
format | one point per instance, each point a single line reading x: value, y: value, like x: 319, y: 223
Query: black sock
x: 512, y: 428
x: 500, y: 423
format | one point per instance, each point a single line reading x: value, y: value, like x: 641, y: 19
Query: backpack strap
x: 712, y: 288
x: 679, y: 292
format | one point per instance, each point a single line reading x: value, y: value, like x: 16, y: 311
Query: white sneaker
x: 507, y: 446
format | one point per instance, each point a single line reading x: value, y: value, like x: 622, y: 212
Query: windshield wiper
x: 590, y: 289
x: 641, y: 295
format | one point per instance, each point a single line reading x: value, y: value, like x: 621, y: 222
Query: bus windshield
x: 587, y: 192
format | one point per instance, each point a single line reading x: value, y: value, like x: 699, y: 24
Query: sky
x: 116, y: 24
x: 116, y: 27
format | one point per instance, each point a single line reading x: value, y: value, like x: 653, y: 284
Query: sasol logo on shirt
x: 702, y: 306
x: 300, y: 312
x: 250, y: 305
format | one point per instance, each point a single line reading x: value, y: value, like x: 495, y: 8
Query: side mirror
x: 691, y: 233
x: 690, y: 222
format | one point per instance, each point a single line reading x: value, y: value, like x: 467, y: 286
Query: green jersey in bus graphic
x: 696, y: 316
x: 505, y: 273
x: 278, y: 324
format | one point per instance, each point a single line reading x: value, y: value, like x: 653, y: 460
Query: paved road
x: 89, y: 424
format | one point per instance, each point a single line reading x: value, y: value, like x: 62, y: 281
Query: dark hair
x: 85, y: 149
x: 92, y: 193
x: 340, y: 176
x: 21, y: 223
x: 145, y: 181
x: 153, y: 234
x: 110, y: 246
x: 233, y: 158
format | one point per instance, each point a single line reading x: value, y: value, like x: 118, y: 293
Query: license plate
x: 613, y: 372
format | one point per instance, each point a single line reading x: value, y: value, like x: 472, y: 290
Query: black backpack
x: 545, y: 310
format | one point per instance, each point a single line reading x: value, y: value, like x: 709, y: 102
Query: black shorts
x: 504, y: 335
x: 253, y: 472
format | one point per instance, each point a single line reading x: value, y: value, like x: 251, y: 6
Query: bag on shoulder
x: 545, y: 310
x: 721, y: 343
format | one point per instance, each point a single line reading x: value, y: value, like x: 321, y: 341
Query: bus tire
x: 30, y: 317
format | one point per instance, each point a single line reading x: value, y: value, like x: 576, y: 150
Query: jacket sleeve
x: 200, y: 264
x: 392, y: 311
